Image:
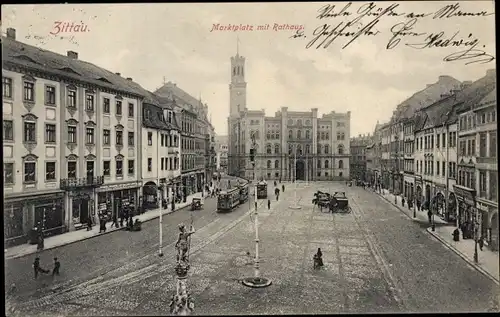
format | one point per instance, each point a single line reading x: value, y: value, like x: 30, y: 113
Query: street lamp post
x: 256, y: 281
x: 476, y: 227
x: 296, y: 202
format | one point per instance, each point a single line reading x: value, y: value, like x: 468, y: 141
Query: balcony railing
x: 83, y: 182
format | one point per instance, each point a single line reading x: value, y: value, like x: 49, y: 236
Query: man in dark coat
x: 37, y: 268
x: 57, y: 267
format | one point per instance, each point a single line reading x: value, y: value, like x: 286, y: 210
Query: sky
x: 175, y: 42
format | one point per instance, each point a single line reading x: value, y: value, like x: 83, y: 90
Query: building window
x: 482, y: 183
x: 71, y: 169
x: 268, y: 149
x: 319, y: 164
x: 106, y: 168
x: 130, y: 110
x: 131, y: 139
x: 308, y: 149
x: 50, y: 133
x: 438, y: 165
x: 29, y: 172
x: 482, y: 144
x: 29, y: 91
x: 8, y: 130
x: 8, y: 173
x: 443, y: 169
x: 493, y: 194
x: 290, y: 134
x: 150, y: 138
x: 493, y: 144
x: 50, y: 95
x: 319, y: 174
x: 89, y: 103
x: 276, y: 149
x: 118, y: 108
x: 50, y: 171
x: 89, y: 136
x: 341, y: 149
x: 105, y: 106
x: 327, y: 149
x: 269, y: 163
x: 119, y: 167
x: 341, y: 164
x: 106, y: 137
x: 131, y: 167
x: 71, y: 98
x: 29, y: 132
x: 71, y: 134
x: 150, y: 164
x: 326, y: 163
x: 119, y: 137
x: 299, y: 134
x: 276, y: 164
x: 7, y: 87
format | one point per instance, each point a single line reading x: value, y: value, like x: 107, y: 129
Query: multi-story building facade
x: 374, y: 157
x: 477, y: 188
x: 70, y: 129
x: 393, y: 134
x: 358, y: 158
x: 289, y: 145
x: 161, y: 151
x: 221, y: 152
x: 197, y: 156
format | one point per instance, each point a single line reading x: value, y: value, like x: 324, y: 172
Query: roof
x: 172, y: 91
x: 154, y: 119
x: 445, y: 111
x: 425, y: 97
x: 490, y: 98
x: 32, y: 57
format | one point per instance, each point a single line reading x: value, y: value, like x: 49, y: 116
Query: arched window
x: 308, y: 134
x: 268, y: 149
x: 319, y: 163
x: 299, y: 149
x: 276, y: 164
x: 308, y: 148
x: 299, y: 122
x: 269, y: 164
x: 268, y: 135
x: 290, y: 121
x: 327, y: 149
x: 341, y: 149
x: 319, y: 148
x: 277, y: 135
x: 327, y: 136
x: 277, y: 149
x: 342, y: 136
x: 290, y: 134
x: 338, y: 135
x: 299, y: 134
x: 341, y: 164
x: 326, y: 164
x: 290, y: 149
x: 322, y: 135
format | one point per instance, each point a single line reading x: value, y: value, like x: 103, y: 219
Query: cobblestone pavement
x: 88, y: 259
x: 376, y: 260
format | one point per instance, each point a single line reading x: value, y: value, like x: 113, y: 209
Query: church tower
x: 238, y: 86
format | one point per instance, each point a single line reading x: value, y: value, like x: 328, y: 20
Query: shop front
x: 451, y: 214
x: 114, y: 198
x: 23, y: 213
x: 493, y: 230
x: 466, y: 198
x: 419, y: 195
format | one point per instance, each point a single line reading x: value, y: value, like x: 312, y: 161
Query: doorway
x: 300, y: 170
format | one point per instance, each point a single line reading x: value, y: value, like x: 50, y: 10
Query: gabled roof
x: 32, y: 57
x: 153, y: 120
x: 445, y: 111
x: 425, y: 97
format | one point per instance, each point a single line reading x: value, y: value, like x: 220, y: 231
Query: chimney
x: 489, y: 72
x: 11, y: 33
x: 465, y: 84
x: 72, y: 54
x: 118, y: 74
x: 129, y: 78
x: 441, y: 78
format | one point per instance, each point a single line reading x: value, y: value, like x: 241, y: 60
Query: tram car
x: 229, y: 199
x: 243, y: 193
x: 261, y: 190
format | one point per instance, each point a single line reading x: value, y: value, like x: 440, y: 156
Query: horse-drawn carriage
x: 338, y: 202
x: 196, y: 204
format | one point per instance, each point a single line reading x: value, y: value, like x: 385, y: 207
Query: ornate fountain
x: 182, y: 302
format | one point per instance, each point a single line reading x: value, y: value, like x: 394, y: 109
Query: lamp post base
x: 256, y: 282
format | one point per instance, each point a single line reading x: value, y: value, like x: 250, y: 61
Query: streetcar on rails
x: 227, y: 200
x: 261, y: 190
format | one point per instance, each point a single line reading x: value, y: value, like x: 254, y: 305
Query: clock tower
x: 238, y: 86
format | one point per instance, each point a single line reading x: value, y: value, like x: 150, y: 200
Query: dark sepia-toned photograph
x: 292, y: 158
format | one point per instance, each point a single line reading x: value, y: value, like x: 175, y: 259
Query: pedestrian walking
x: 37, y: 268
x: 89, y: 224
x: 429, y: 215
x: 268, y: 204
x: 122, y: 215
x: 115, y: 221
x: 57, y: 267
x: 40, y: 237
x: 102, y: 223
x: 283, y: 187
x: 403, y: 201
x: 418, y: 205
x: 481, y: 243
